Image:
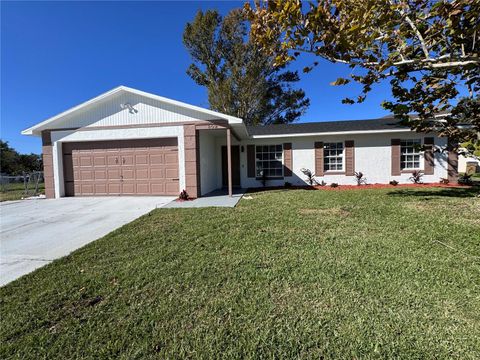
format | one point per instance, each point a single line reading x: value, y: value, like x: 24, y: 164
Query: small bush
x: 465, y: 179
x: 288, y: 184
x: 394, y: 182
x: 310, y: 176
x: 183, y: 195
x: 333, y: 185
x: 444, y: 181
x: 322, y: 183
x: 416, y: 177
x: 360, y: 178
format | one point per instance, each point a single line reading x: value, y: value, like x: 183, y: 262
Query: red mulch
x: 357, y: 187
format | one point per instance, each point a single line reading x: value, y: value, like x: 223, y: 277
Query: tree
x: 241, y: 80
x: 13, y: 163
x: 426, y: 49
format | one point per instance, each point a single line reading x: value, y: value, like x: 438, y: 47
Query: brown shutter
x: 452, y: 162
x: 287, y: 159
x: 319, y: 158
x: 396, y: 157
x: 428, y: 156
x: 349, y: 158
x: 251, y: 161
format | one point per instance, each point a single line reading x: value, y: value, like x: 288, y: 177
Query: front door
x: 235, y: 166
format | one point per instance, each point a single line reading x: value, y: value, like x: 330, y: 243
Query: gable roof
x: 385, y: 124
x: 36, y: 129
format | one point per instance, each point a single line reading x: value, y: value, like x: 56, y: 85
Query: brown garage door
x: 124, y: 167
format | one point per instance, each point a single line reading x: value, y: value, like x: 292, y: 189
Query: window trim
x: 421, y: 164
x: 283, y: 163
x: 334, y: 172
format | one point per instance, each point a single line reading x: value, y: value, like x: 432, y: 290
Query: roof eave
x: 329, y: 133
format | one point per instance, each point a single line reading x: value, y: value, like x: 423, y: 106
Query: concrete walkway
x: 217, y: 198
x: 35, y: 232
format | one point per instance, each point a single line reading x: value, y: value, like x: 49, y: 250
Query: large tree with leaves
x: 13, y: 163
x: 241, y: 79
x: 427, y: 50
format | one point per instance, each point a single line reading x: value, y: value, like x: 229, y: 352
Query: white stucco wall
x: 59, y: 137
x: 208, y: 162
x: 372, y: 157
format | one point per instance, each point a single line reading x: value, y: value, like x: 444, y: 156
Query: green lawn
x: 391, y: 273
x: 16, y: 191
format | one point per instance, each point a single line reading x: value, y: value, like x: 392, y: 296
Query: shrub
x: 360, y: 178
x: 334, y: 185
x: 288, y: 184
x: 310, y: 176
x: 465, y: 179
x: 322, y: 183
x: 183, y: 195
x: 394, y: 182
x: 444, y: 181
x: 416, y: 177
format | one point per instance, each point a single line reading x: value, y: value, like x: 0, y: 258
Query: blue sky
x: 55, y: 55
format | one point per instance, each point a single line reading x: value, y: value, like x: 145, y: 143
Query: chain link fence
x: 25, y: 185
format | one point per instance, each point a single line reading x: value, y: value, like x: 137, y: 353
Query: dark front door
x: 235, y: 166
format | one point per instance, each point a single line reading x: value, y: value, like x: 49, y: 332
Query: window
x: 410, y: 151
x: 333, y: 156
x: 269, y: 160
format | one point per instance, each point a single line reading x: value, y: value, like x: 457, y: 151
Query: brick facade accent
x: 192, y: 185
x: 47, y: 155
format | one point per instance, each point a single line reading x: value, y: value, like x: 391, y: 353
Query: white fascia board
x: 35, y: 130
x: 331, y: 133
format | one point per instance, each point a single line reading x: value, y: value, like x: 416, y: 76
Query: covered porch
x: 218, y: 151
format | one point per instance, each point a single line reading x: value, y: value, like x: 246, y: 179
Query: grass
x: 16, y: 191
x: 390, y: 273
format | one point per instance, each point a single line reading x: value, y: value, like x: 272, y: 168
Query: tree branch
x: 415, y: 30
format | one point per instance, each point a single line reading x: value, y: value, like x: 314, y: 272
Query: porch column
x: 229, y: 161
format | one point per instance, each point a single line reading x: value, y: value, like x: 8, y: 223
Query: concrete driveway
x: 36, y: 232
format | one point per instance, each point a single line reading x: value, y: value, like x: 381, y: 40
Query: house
x: 129, y: 142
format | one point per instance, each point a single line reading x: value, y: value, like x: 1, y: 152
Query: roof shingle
x: 386, y: 123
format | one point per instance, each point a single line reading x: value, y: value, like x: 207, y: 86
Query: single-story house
x: 129, y: 142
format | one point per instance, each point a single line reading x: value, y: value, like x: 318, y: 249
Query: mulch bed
x: 358, y: 187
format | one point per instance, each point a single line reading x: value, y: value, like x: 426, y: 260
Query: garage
x: 121, y: 167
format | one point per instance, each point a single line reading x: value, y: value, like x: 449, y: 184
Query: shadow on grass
x: 444, y: 192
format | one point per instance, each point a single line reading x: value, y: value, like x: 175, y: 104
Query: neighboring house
x: 129, y: 142
x: 471, y: 161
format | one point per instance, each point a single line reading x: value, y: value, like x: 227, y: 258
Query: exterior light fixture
x: 130, y: 108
